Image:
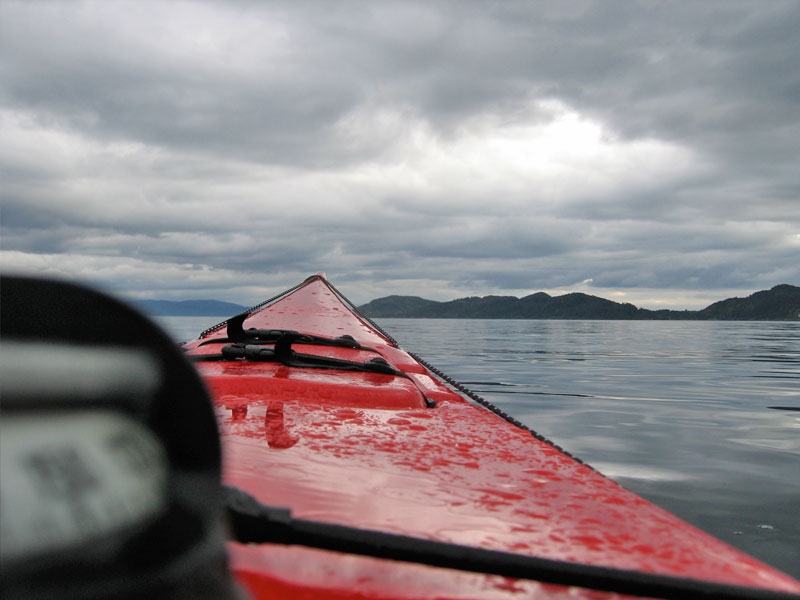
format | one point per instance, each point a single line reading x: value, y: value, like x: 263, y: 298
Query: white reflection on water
x: 626, y: 471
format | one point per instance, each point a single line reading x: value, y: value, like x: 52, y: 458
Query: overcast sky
x: 646, y: 152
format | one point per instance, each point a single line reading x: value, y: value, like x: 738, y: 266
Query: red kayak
x: 396, y: 481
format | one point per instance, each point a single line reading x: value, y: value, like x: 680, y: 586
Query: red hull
x: 362, y: 449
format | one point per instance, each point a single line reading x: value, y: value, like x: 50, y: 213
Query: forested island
x: 780, y: 303
x: 777, y: 304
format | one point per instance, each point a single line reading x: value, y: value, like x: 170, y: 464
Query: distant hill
x: 536, y: 306
x: 189, y: 308
x: 404, y: 306
x: 780, y: 303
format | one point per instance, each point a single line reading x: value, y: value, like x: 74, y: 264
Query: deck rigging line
x: 255, y: 523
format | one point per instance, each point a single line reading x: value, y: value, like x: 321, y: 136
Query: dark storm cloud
x: 649, y: 69
x: 435, y: 148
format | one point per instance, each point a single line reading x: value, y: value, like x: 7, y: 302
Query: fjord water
x: 695, y: 416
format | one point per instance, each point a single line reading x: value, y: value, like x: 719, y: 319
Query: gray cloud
x: 437, y: 148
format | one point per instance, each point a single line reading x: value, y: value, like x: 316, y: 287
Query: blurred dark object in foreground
x: 110, y: 474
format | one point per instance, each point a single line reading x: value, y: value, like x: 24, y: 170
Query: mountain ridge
x: 782, y: 302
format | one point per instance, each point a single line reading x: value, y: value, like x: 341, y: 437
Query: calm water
x: 683, y: 413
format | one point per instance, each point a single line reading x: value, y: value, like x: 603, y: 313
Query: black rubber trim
x: 236, y: 333
x: 283, y: 354
x: 254, y: 523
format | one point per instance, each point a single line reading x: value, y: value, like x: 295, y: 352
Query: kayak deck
x: 365, y: 449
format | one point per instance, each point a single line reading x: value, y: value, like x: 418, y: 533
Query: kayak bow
x: 385, y: 469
